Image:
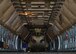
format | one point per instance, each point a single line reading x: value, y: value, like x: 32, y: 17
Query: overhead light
x: 24, y: 24
x: 50, y: 23
x: 26, y: 13
x: 37, y: 30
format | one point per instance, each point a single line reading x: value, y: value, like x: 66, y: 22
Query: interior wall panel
x: 15, y: 21
x: 71, y: 5
x: 8, y: 14
x: 69, y: 15
x: 1, y: 1
x: 58, y: 25
x: 4, y: 5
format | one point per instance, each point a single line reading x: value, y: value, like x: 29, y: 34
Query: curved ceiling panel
x: 8, y: 16
x: 38, y: 12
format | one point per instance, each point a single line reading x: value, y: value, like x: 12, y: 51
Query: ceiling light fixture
x: 25, y: 13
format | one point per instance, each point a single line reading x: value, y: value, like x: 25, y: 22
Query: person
x: 25, y: 46
x: 1, y: 44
